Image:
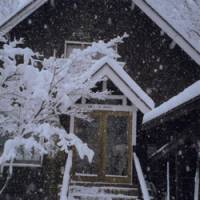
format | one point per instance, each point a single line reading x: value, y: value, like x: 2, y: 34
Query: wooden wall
x: 182, y: 158
x: 160, y: 70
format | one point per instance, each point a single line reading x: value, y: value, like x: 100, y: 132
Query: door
x: 109, y: 135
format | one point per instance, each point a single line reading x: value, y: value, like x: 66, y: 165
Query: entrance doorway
x: 109, y: 136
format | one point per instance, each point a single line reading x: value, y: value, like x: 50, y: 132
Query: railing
x: 141, y: 179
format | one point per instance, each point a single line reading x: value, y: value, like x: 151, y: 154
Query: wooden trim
x: 23, y: 163
x: 71, y: 128
x: 134, y: 127
x: 104, y: 139
x: 108, y: 71
x: 105, y: 107
x: 68, y: 42
x: 101, y: 176
x: 77, y: 42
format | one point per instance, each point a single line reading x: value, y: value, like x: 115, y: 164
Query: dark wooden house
x: 160, y: 56
x: 172, y: 139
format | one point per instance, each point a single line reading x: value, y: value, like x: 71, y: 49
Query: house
x: 155, y: 52
x: 171, y: 133
x: 111, y: 135
x: 149, y: 52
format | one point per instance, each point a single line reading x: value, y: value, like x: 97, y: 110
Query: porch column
x: 176, y: 173
x: 134, y: 127
x: 197, y: 175
x: 168, y: 181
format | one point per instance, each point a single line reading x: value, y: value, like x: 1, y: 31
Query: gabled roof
x: 113, y: 70
x: 13, y: 12
x: 107, y: 67
x: 186, y: 95
x: 179, y: 19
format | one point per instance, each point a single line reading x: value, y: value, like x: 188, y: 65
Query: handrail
x: 143, y: 185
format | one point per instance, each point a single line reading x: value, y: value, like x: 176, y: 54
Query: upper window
x: 71, y: 45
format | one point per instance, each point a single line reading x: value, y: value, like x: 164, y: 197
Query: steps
x: 102, y: 192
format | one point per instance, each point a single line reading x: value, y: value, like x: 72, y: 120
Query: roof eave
x: 20, y: 16
x: 139, y: 102
x: 166, y: 117
x: 169, y: 30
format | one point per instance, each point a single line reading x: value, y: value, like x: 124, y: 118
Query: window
x: 109, y: 136
x: 71, y: 45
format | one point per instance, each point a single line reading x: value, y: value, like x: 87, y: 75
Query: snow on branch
x: 12, y: 145
x: 32, y: 99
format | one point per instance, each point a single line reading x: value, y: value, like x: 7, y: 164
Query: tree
x: 32, y: 100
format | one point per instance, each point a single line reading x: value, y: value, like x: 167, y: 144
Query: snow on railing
x: 143, y: 185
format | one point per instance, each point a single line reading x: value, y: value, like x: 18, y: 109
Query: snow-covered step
x: 102, y: 197
x: 105, y: 190
x: 82, y: 192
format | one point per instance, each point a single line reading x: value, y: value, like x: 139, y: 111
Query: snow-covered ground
x: 183, y: 15
x: 186, y: 95
x: 9, y: 8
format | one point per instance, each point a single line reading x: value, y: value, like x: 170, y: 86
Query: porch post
x: 196, y: 180
x: 176, y: 174
x: 134, y: 126
x: 168, y: 182
x: 66, y: 177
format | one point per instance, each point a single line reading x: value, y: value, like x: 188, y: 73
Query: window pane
x: 88, y: 133
x: 117, y: 146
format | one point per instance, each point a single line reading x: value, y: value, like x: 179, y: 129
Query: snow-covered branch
x: 32, y: 99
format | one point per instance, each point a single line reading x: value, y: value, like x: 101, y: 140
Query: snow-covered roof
x: 113, y: 70
x: 9, y: 8
x: 14, y: 11
x: 183, y: 97
x: 180, y: 19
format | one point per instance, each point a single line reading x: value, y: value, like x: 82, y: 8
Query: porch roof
x: 178, y: 103
x: 113, y: 70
